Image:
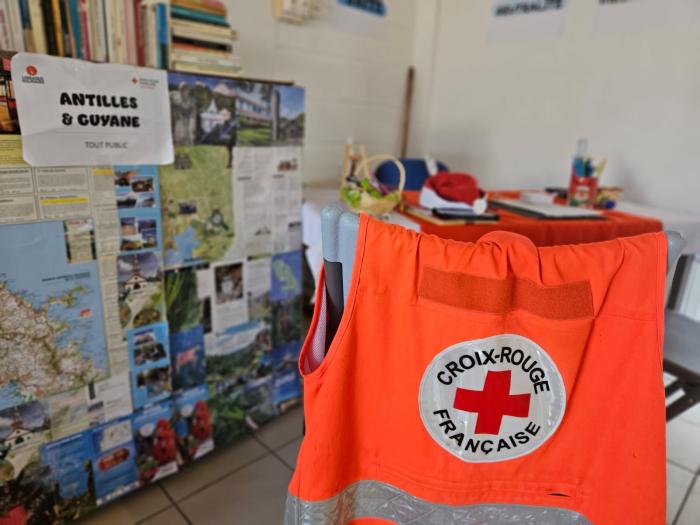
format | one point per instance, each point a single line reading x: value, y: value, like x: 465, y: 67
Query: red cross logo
x: 492, y: 403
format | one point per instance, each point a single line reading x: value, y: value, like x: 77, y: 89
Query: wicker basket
x: 361, y: 201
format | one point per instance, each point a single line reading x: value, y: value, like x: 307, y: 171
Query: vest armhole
x: 315, y: 357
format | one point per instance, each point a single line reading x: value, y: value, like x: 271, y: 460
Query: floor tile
x: 690, y: 515
x: 289, y: 452
x: 668, y: 379
x: 283, y: 429
x: 677, y: 483
x: 252, y: 495
x: 683, y: 443
x: 212, y: 467
x: 129, y: 509
x: 692, y: 415
x: 168, y: 517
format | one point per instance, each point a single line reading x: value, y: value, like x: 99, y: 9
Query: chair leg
x: 674, y: 387
x: 691, y: 397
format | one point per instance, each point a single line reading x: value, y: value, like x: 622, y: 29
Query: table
x: 628, y: 219
x: 544, y: 232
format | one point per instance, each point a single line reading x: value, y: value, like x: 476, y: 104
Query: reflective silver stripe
x: 374, y: 499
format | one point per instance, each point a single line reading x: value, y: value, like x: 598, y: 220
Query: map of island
x: 197, y: 205
x: 51, y: 324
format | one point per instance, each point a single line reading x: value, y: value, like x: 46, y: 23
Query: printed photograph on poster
x: 281, y: 363
x: 23, y: 429
x: 188, y: 297
x: 9, y: 122
x: 203, y: 110
x: 286, y: 321
x: 136, y: 187
x: 149, y: 363
x: 258, y: 283
x: 109, y: 399
x: 197, y: 206
x: 140, y: 283
x: 230, y: 306
x: 68, y: 413
x: 254, y: 113
x: 288, y: 115
x: 512, y: 20
x: 50, y: 314
x: 138, y: 202
x: 69, y: 484
x: 188, y: 359
x: 286, y: 276
x: 79, y: 235
x: 193, y: 424
x: 233, y: 361
x: 114, y: 461
x: 154, y: 439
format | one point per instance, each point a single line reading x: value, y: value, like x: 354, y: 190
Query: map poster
x: 74, y: 112
x: 149, y: 362
x: 197, y: 202
x: 51, y: 310
x: 114, y: 461
x: 70, y: 486
x: 193, y: 424
x: 154, y: 438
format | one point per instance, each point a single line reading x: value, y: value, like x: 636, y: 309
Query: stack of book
x: 189, y: 35
x: 202, y: 38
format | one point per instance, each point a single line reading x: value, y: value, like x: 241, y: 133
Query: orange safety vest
x: 491, y: 382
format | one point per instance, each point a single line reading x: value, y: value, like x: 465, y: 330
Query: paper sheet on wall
x: 620, y: 16
x: 73, y: 112
x: 526, y: 19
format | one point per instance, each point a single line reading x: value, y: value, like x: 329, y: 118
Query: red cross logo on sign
x: 493, y: 402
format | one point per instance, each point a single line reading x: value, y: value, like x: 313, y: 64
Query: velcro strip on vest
x: 500, y: 296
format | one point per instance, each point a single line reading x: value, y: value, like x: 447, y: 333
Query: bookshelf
x: 183, y: 35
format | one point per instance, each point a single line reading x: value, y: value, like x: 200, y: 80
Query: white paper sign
x: 527, y: 19
x: 73, y: 112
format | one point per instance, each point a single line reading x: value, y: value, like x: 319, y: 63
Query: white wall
x: 511, y: 113
x: 354, y: 82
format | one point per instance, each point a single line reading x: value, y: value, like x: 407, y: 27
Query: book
x: 84, y: 29
x: 49, y: 27
x: 36, y: 17
x: 190, y: 14
x: 140, y: 30
x: 202, y: 37
x: 5, y: 31
x: 216, y: 8
x: 195, y: 67
x: 15, y: 21
x: 207, y: 58
x: 129, y: 31
x: 27, y: 32
x: 57, y: 28
x: 75, y: 28
x: 202, y: 44
x: 163, y: 34
x: 100, y: 43
x: 201, y: 27
x: 66, y: 31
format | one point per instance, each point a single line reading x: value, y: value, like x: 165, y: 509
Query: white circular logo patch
x: 492, y: 399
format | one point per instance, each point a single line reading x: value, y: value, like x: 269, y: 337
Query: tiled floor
x: 247, y: 482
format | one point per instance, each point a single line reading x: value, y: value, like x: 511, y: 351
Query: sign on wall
x: 73, y: 112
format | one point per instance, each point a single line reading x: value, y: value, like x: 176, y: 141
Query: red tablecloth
x: 543, y: 232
